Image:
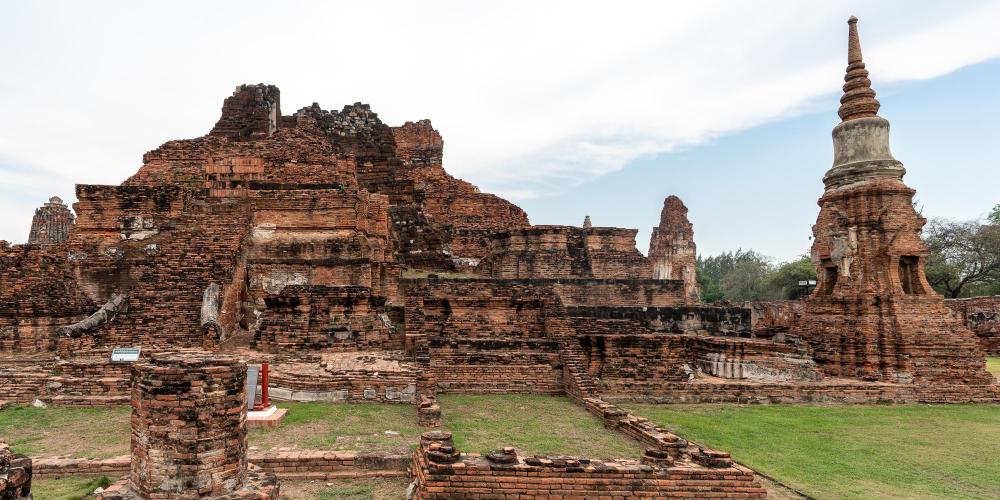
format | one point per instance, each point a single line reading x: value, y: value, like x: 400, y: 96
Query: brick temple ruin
x: 337, y: 248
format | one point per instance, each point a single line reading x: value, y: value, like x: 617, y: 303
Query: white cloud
x: 530, y: 96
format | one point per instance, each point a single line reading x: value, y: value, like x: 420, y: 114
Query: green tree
x: 736, y: 276
x: 964, y: 256
x: 783, y: 283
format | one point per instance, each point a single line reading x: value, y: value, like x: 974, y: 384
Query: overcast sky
x: 566, y: 108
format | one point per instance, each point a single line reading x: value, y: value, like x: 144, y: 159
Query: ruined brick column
x: 189, y: 437
x: 252, y: 112
x: 51, y: 223
x: 672, y: 250
x: 873, y: 315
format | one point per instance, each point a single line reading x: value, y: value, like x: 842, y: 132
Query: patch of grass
x: 352, y: 489
x: 329, y: 426
x: 912, y: 451
x: 67, y: 488
x: 531, y: 424
x: 993, y: 365
x: 76, y: 432
x: 348, y: 490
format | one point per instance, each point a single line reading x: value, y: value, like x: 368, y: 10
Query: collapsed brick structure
x: 15, y: 475
x: 873, y: 315
x: 189, y: 434
x: 51, y: 223
x: 672, y: 249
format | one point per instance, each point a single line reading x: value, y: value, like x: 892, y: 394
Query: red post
x: 265, y: 401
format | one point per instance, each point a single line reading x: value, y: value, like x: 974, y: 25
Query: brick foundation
x: 440, y: 471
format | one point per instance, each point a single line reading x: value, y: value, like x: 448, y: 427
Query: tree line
x: 964, y: 261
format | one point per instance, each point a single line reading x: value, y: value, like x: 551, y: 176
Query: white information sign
x: 252, y: 371
x: 125, y: 355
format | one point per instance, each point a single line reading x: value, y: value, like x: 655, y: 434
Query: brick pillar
x: 189, y: 435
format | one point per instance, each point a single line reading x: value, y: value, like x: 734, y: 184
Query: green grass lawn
x: 67, y: 488
x: 993, y: 365
x: 533, y: 425
x: 326, y: 426
x: 77, y: 432
x: 907, y: 451
x: 104, y: 433
x: 392, y: 488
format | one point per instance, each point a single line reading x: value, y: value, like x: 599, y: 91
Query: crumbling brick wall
x: 319, y: 317
x: 773, y: 319
x: 159, y: 247
x: 367, y: 376
x: 982, y: 316
x: 483, y: 336
x: 618, y: 292
x: 630, y: 349
x: 38, y: 295
x: 565, y: 252
x: 252, y: 111
x: 470, y: 215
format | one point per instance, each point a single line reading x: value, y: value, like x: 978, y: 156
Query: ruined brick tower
x: 672, y: 251
x: 873, y: 315
x: 51, y: 223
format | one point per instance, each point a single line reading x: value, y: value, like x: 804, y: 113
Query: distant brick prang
x: 672, y: 250
x: 189, y: 436
x: 51, y: 223
x: 15, y: 475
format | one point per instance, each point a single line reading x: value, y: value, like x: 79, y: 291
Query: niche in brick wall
x: 595, y: 350
x: 830, y: 274
x: 909, y: 275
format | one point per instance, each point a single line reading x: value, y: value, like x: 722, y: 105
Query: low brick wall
x: 819, y: 392
x: 441, y: 471
x: 306, y: 464
x: 636, y: 427
x: 59, y: 467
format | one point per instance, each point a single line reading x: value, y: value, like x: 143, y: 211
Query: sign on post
x: 125, y: 355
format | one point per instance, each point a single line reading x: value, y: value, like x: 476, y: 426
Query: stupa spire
x: 858, y: 100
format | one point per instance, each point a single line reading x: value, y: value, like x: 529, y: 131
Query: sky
x: 565, y: 108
